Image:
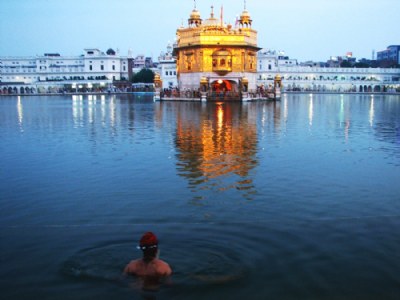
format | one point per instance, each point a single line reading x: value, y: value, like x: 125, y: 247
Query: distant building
x: 94, y: 70
x: 142, y: 62
x: 149, y: 62
x: 324, y: 77
x: 167, y: 69
x: 314, y: 64
x: 139, y: 62
x: 304, y: 78
x: 337, y: 61
x: 392, y: 53
x: 271, y: 59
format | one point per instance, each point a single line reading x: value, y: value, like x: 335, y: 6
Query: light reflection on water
x: 217, y: 151
x: 20, y: 113
x: 297, y: 199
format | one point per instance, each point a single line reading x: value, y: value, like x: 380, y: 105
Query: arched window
x: 222, y: 61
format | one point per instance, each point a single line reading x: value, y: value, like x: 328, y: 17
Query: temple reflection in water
x: 217, y: 145
x: 216, y: 148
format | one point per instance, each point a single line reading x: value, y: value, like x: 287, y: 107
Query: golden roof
x: 213, y: 31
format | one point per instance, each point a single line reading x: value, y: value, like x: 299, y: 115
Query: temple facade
x: 217, y: 58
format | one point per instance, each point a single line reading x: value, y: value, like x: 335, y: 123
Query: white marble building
x: 52, y: 72
x: 95, y: 70
x: 167, y: 69
x: 296, y: 77
x: 309, y: 78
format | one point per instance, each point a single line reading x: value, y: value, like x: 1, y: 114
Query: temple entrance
x: 224, y: 90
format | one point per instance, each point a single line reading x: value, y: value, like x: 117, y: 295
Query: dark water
x: 298, y: 199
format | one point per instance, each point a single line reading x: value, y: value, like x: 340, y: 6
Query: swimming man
x: 149, y: 266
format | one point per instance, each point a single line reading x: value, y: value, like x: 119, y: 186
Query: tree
x: 345, y: 64
x: 144, y: 76
x: 362, y: 65
x: 110, y: 52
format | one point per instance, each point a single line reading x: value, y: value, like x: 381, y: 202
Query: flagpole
x: 222, y: 15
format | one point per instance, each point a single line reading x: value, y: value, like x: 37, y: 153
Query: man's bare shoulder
x: 132, y: 266
x: 163, y: 267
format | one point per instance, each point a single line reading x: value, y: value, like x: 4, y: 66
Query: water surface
x: 297, y: 199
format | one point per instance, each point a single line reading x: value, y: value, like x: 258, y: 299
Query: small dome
x: 195, y: 14
x: 245, y: 14
x: 245, y: 19
x: 211, y: 22
x: 195, y: 19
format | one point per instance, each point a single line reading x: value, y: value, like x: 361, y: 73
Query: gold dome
x: 245, y: 14
x: 195, y: 18
x: 245, y: 19
x: 195, y: 14
x: 211, y: 22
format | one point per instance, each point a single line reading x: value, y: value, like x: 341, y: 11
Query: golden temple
x: 217, y: 59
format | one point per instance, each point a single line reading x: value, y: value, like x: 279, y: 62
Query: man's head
x: 149, y: 245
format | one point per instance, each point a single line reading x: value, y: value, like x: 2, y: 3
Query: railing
x: 370, y: 71
x: 175, y: 94
x: 195, y: 95
x: 224, y: 96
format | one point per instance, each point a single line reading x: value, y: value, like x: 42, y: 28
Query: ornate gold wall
x: 206, y: 58
x: 212, y: 46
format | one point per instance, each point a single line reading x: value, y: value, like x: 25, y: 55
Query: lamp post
x: 157, y: 86
x: 203, y: 88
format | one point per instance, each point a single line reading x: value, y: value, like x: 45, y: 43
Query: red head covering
x: 148, y: 239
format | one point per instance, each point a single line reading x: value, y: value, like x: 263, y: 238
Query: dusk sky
x: 306, y: 30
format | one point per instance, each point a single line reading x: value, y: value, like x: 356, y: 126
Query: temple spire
x: 195, y: 4
x: 212, y: 11
x: 245, y: 4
